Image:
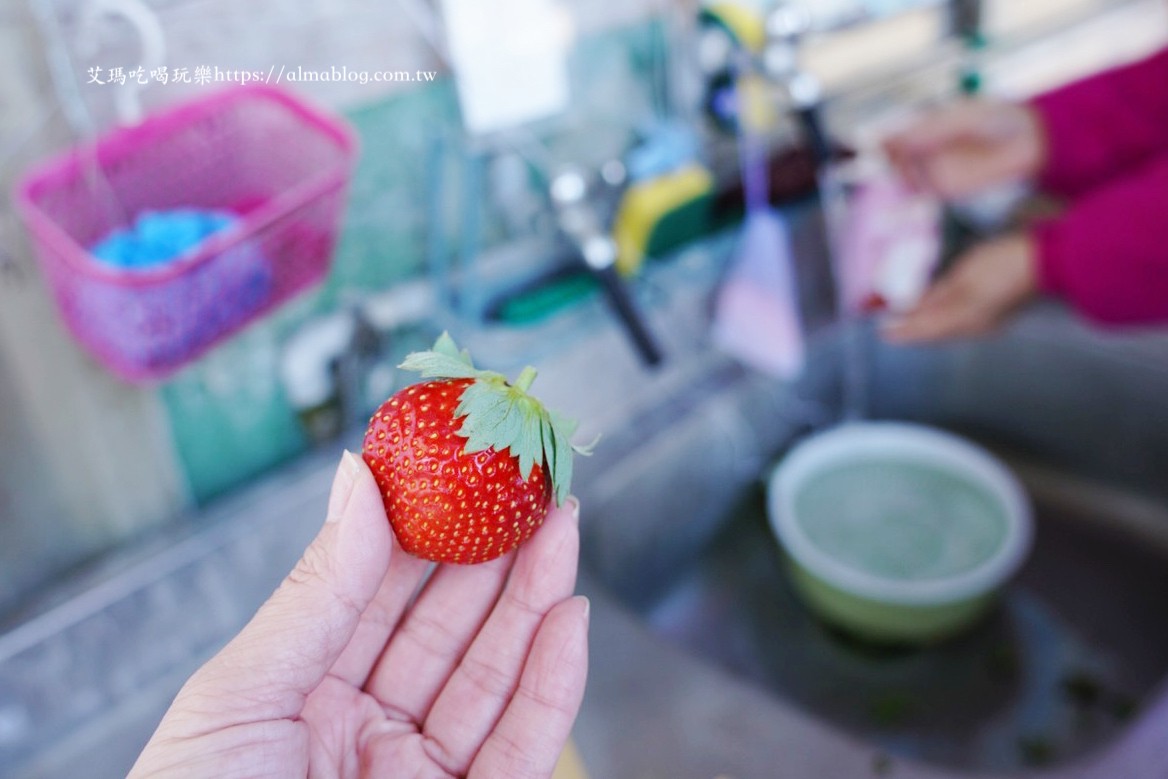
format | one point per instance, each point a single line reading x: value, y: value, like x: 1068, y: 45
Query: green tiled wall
x: 229, y: 419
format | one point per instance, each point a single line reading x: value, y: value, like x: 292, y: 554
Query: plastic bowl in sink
x: 898, y: 533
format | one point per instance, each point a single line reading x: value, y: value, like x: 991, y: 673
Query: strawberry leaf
x: 530, y: 442
x: 565, y: 426
x: 445, y: 361
x: 562, y: 445
x: 497, y: 415
x: 433, y: 365
x: 489, y: 404
x: 548, y: 445
x: 492, y: 426
x: 445, y: 346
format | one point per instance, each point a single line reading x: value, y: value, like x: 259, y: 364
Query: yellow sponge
x: 659, y: 214
x: 746, y: 25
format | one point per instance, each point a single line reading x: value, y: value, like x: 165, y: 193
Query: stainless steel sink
x: 1067, y: 675
x: 1077, y: 646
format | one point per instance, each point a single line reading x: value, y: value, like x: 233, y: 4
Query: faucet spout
x: 630, y: 316
x: 579, y: 222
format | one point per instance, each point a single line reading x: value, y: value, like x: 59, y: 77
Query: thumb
x: 268, y: 670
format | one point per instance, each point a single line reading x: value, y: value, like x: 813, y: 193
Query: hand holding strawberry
x: 468, y: 463
x: 355, y: 668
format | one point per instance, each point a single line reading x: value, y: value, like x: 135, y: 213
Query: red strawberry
x: 467, y: 463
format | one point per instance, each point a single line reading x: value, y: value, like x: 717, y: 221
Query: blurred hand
x: 976, y: 295
x: 968, y: 147
x: 339, y: 675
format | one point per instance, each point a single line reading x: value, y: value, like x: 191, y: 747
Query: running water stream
x: 856, y: 330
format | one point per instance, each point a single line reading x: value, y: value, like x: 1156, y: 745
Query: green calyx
x: 500, y: 415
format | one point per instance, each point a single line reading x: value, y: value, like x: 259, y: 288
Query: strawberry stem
x: 526, y: 377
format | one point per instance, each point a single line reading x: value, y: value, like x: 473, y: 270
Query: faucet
x: 786, y: 25
x: 336, y: 368
x: 789, y: 22
x: 965, y: 18
x: 965, y: 24
x: 579, y: 221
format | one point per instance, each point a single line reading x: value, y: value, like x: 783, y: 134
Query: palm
x: 481, y: 675
x: 350, y: 733
x: 353, y: 736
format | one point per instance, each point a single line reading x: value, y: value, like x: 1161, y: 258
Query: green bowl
x: 881, y: 622
x: 922, y: 606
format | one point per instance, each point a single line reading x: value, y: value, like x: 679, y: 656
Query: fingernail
x: 587, y: 606
x: 343, y: 484
x: 573, y: 506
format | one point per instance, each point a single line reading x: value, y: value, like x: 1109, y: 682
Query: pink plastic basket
x: 280, y: 165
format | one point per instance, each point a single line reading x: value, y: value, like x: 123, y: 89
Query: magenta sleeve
x: 1104, y: 125
x: 1108, y: 255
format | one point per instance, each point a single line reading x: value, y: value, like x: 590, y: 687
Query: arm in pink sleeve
x: 1104, y: 125
x: 1109, y: 254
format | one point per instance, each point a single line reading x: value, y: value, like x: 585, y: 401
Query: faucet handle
x: 786, y: 26
x: 577, y: 216
x: 788, y: 21
x: 569, y: 186
x: 599, y: 251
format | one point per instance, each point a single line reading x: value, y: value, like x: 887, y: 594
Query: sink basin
x: 1066, y: 674
x: 1055, y: 673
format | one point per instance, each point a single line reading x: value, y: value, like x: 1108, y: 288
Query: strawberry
x: 467, y: 463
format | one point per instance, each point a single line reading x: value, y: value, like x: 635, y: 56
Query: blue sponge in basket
x: 158, y: 323
x: 158, y: 237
